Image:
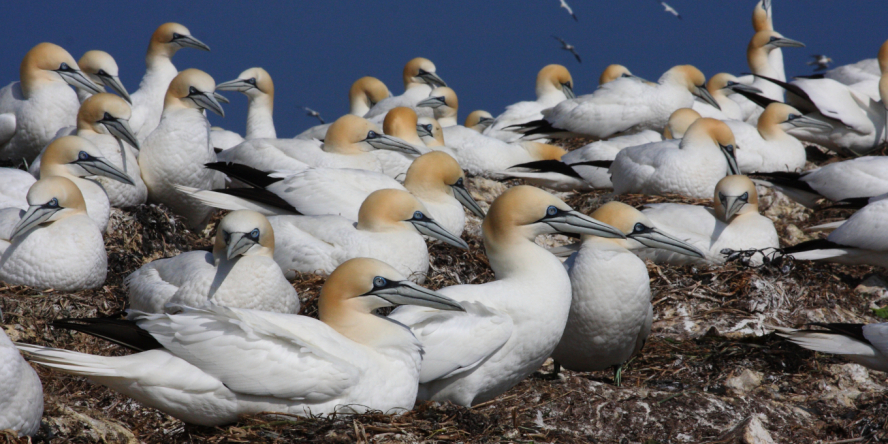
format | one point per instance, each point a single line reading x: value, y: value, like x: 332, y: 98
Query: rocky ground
x: 711, y: 371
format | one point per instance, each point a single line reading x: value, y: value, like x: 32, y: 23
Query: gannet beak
x: 408, y: 293
x: 733, y: 204
x: 100, y: 166
x: 568, y: 91
x: 235, y: 85
x: 805, y: 121
x: 704, y: 94
x: 431, y: 78
x: 220, y: 98
x: 113, y: 82
x: 383, y: 142
x: 187, y: 41
x: 431, y: 102
x: 424, y: 130
x: 766, y: 4
x: 734, y: 86
x: 462, y: 195
x: 483, y: 122
x: 652, y: 238
x: 429, y: 227
x: 578, y: 223
x: 728, y: 151
x: 240, y: 243
x: 120, y: 129
x: 76, y: 79
x: 36, y: 215
x: 207, y: 101
x: 783, y: 42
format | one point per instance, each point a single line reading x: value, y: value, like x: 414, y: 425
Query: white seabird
x: 102, y: 70
x: 364, y: 94
x: 553, y: 85
x: 257, y: 85
x: 20, y: 390
x: 420, y: 77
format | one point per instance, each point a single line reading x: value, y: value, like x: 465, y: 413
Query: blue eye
x: 53, y: 203
x: 251, y: 81
x: 429, y: 127
x: 418, y: 215
x: 551, y: 211
x: 255, y: 233
x: 459, y: 182
x: 372, y: 135
x: 379, y: 282
x: 744, y: 196
x: 639, y: 227
x: 82, y: 155
x: 192, y: 91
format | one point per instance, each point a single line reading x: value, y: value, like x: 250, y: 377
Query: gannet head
x: 679, y: 122
x: 50, y: 199
x: 48, y: 62
x: 479, y: 120
x: 761, y: 45
x: 706, y: 131
x: 761, y: 16
x: 393, y: 210
x: 194, y: 89
x: 443, y: 101
x: 439, y: 172
x: 352, y: 135
x: 779, y: 117
x: 734, y: 195
x: 543, y: 151
x: 554, y: 78
x: 724, y: 83
x: 171, y: 37
x: 75, y: 156
x: 400, y: 122
x: 614, y: 72
x: 430, y: 131
x: 107, y: 114
x: 421, y: 71
x: 639, y: 230
x: 365, y: 93
x: 527, y: 212
x: 254, y: 83
x: 101, y: 68
x: 244, y: 233
x: 691, y: 78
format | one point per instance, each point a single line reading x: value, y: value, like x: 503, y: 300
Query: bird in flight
x: 821, y: 61
x: 670, y: 10
x: 568, y: 47
x: 312, y: 113
x: 569, y: 11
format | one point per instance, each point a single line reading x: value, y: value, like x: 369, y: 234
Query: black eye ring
x: 192, y: 91
x: 428, y: 127
x: 744, y: 196
x: 252, y: 81
x: 372, y: 135
x: 639, y: 228
x: 551, y: 211
x: 459, y: 182
x: 53, y: 203
x: 255, y: 233
x: 417, y: 215
x: 82, y: 155
x: 379, y: 282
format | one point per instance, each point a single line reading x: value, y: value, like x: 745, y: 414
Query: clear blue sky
x: 488, y: 51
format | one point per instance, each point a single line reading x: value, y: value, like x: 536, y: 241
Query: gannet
x: 101, y: 68
x: 478, y: 120
x: 861, y: 177
x: 512, y: 324
x: 210, y: 366
x: 614, y: 72
x: 400, y: 123
x: 569, y: 10
x: 55, y: 244
x: 419, y: 78
x: 149, y: 100
x: 256, y: 84
x: 363, y: 95
x: 702, y: 158
x: 20, y: 390
x: 176, y: 151
x: 762, y: 44
x: 429, y: 130
x: 389, y: 227
x: 240, y: 272
x: 553, y: 84
x: 762, y: 20
x: 444, y: 104
x: 35, y: 108
x: 625, y: 105
x: 734, y: 222
x: 820, y: 60
x: 720, y: 86
x: 610, y: 311
x: 669, y: 9
x: 568, y: 47
x: 312, y: 113
x: 864, y: 344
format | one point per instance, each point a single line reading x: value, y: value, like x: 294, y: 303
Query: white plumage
x: 21, y: 393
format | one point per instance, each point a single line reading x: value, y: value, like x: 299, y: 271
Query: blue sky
x: 488, y: 51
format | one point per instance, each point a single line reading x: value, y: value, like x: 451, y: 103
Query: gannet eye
x: 731, y: 83
x: 226, y: 236
x: 251, y: 81
x: 721, y: 196
x: 192, y: 91
x: 639, y: 228
x: 255, y: 233
x: 53, y: 203
x: 176, y: 36
x: 82, y: 155
x: 372, y: 135
x: 428, y: 127
x: 744, y: 196
x: 729, y: 148
x: 103, y: 73
x: 551, y: 211
x: 107, y: 117
x: 792, y: 116
x: 64, y: 67
x: 417, y: 215
x: 459, y: 182
x: 379, y: 282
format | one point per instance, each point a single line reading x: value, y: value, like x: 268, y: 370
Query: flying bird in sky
x: 312, y: 113
x: 569, y: 10
x: 670, y: 10
x: 822, y: 61
x: 568, y: 47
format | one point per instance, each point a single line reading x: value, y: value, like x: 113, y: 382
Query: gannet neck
x: 769, y: 121
x: 364, y: 93
x: 761, y: 19
x: 432, y: 175
x: 734, y: 196
x: 883, y: 89
x: 260, y: 120
x: 401, y: 123
x: 550, y: 79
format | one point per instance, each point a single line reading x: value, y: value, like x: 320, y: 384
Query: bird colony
x: 399, y: 255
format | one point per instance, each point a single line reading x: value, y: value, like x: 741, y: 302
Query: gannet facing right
x: 240, y: 272
x: 256, y: 84
x: 20, y: 391
x: 365, y: 93
x: 420, y: 76
x: 102, y: 69
x: 553, y: 84
x: 34, y: 109
x: 512, y: 324
x: 55, y: 244
x: 210, y: 366
x: 762, y: 44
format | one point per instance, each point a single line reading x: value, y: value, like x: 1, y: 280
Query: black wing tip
x: 854, y: 331
x: 119, y: 331
x: 244, y: 173
x: 595, y: 163
x: 550, y: 166
x: 260, y: 195
x: 787, y: 179
x: 816, y: 244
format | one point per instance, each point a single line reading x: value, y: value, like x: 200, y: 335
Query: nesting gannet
x: 692, y: 169
x: 239, y: 272
x: 55, y: 244
x: 480, y: 155
x: 864, y: 344
x: 568, y: 47
x: 861, y: 177
x: 429, y: 130
x: 419, y: 78
x: 102, y: 69
x: 762, y: 44
x: 444, y: 103
x: 625, y: 105
x: 614, y: 72
x: 400, y: 123
x: 363, y: 95
x: 149, y: 100
x: 478, y: 120
x: 176, y: 151
x: 734, y: 222
x: 20, y: 390
x: 212, y: 365
x: 610, y: 311
x: 720, y: 86
x: 256, y: 84
x: 553, y: 84
x: 569, y: 10
x: 512, y: 324
x: 33, y: 109
x: 389, y: 227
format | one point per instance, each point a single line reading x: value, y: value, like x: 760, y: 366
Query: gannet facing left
x: 512, y: 324
x: 102, y: 69
x: 21, y: 393
x: 55, y: 244
x: 553, y: 85
x: 257, y: 85
x: 210, y: 366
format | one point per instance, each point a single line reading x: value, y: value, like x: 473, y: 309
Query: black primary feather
x: 119, y: 331
x: 260, y: 195
x: 246, y: 174
x: 550, y: 166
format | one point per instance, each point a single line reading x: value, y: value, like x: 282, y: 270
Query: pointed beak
x: 187, y: 41
x: 78, y: 80
x: 238, y: 244
x: 424, y: 130
x: 36, y: 215
x: 462, y: 195
x: 220, y: 98
x: 745, y: 88
x: 113, y: 82
x: 235, y: 85
x: 384, y: 142
x: 703, y: 94
x: 787, y: 43
x: 809, y: 122
x: 429, y: 227
x: 578, y: 223
x: 431, y: 78
x: 100, y: 166
x: 568, y: 91
x: 656, y: 239
x: 120, y: 129
x: 431, y: 102
x: 208, y: 101
x: 732, y: 204
x: 728, y: 151
x: 408, y: 293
